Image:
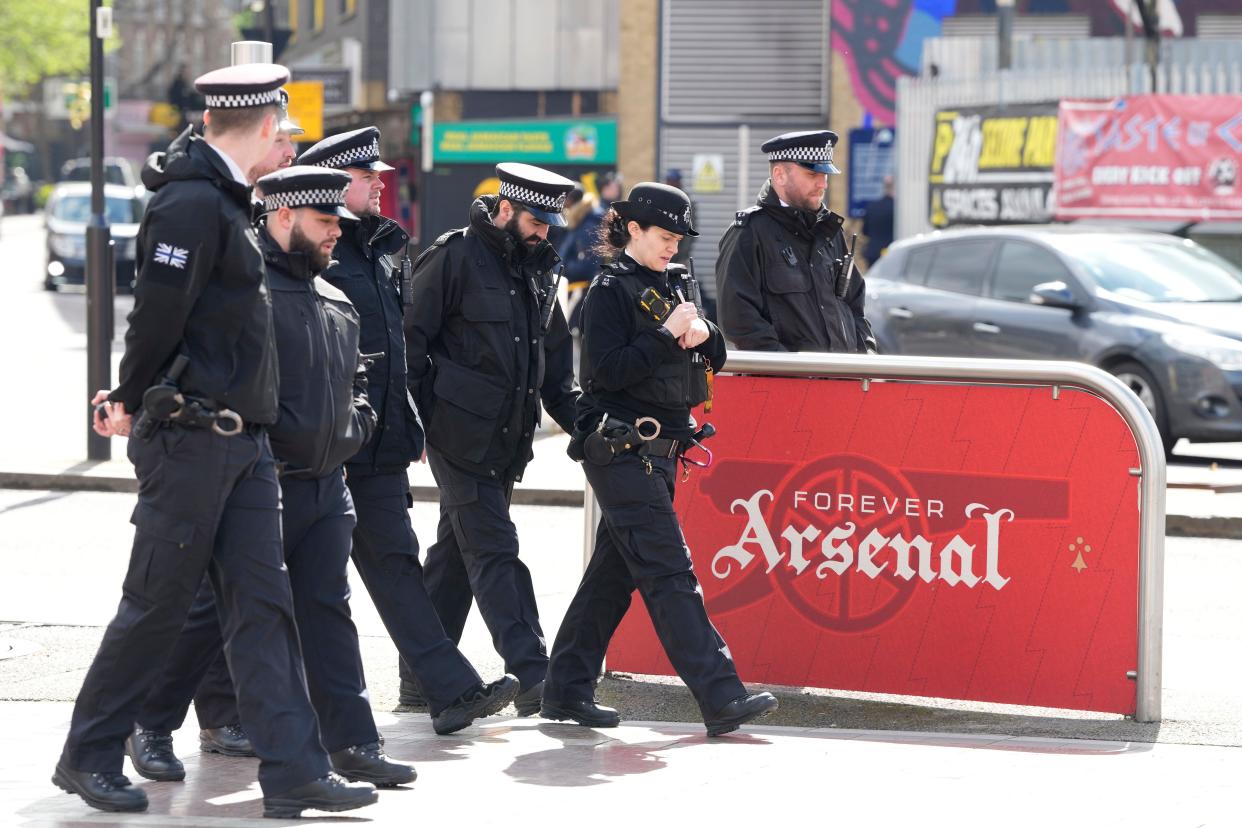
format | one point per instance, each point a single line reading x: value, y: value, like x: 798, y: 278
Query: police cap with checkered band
x: 659, y: 204
x: 811, y: 149
x: 244, y: 85
x: 313, y: 187
x: 541, y: 192
x: 357, y: 148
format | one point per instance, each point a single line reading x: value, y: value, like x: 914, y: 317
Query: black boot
x: 107, y: 791
x: 230, y: 740
x: 367, y: 763
x: 485, y: 700
x: 152, y: 754
x: 410, y: 697
x: 529, y: 700
x: 327, y: 793
x: 586, y: 713
x: 740, y: 711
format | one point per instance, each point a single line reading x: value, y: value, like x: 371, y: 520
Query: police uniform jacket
x: 324, y: 414
x: 368, y: 270
x: 631, y: 366
x: 200, y: 288
x: 478, y: 361
x: 776, y: 283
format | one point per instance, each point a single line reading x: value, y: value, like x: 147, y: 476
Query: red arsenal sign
x: 969, y: 542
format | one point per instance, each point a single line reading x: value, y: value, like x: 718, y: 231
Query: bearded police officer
x: 645, y: 352
x: 200, y: 368
x: 486, y: 341
x: 785, y: 280
x: 373, y: 271
x: 324, y: 418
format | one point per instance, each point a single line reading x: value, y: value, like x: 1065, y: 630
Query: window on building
x: 348, y: 7
x: 317, y: 15
x: 293, y: 19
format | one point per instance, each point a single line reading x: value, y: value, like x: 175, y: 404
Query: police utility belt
x: 614, y: 437
x: 163, y: 404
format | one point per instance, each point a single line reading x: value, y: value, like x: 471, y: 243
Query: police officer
x: 324, y: 418
x: 372, y: 270
x: 640, y: 378
x: 784, y: 279
x: 486, y: 341
x: 208, y: 494
x: 215, y: 703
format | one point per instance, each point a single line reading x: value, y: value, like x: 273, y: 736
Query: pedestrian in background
x: 878, y: 224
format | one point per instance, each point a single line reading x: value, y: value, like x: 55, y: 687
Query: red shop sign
x: 966, y: 542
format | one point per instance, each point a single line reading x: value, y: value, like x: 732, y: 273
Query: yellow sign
x: 306, y: 108
x: 165, y: 114
x: 708, y: 174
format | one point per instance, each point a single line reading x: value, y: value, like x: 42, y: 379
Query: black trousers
x: 475, y: 556
x: 196, y: 669
x: 386, y: 555
x: 206, y: 504
x: 318, y: 521
x: 639, y: 545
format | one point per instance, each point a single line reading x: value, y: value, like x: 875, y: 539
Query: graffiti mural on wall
x: 881, y: 40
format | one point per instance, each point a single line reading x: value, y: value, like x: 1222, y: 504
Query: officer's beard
x: 523, y: 243
x: 300, y: 243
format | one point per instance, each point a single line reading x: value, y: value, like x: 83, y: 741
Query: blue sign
x: 871, y: 158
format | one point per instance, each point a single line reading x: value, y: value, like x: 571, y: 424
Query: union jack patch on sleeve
x: 172, y: 256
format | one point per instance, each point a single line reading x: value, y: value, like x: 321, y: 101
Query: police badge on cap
x: 541, y: 192
x: 660, y: 204
x: 811, y: 149
x: 245, y: 85
x: 358, y: 148
x: 313, y: 187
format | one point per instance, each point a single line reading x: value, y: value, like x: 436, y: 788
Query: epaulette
x: 742, y: 216
x: 445, y: 237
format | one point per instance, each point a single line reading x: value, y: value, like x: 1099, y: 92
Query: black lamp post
x: 100, y: 267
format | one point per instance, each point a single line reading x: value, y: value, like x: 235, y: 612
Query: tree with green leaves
x: 40, y: 39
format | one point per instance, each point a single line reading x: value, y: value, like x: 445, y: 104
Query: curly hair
x: 612, y: 235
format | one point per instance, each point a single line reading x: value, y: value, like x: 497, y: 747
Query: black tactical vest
x: 681, y: 380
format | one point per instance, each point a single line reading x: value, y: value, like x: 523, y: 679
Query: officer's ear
x: 270, y: 126
x: 504, y: 212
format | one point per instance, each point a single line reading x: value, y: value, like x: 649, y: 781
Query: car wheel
x: 1139, y: 380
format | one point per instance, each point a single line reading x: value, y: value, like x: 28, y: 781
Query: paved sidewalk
x: 523, y: 772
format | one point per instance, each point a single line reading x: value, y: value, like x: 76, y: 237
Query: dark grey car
x: 1162, y: 313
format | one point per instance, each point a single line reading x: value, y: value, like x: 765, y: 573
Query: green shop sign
x: 591, y: 141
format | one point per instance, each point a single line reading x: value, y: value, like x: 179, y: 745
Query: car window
x: 918, y: 262
x: 960, y: 266
x: 1020, y: 267
x: 117, y: 210
x: 1156, y: 269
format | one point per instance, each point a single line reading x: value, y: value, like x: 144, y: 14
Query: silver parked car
x: 1161, y: 313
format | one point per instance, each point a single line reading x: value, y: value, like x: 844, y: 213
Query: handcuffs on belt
x: 614, y: 437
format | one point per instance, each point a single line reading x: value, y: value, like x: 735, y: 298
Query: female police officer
x: 640, y: 378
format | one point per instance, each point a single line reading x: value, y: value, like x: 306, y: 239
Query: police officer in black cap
x: 785, y: 280
x: 373, y: 271
x: 324, y: 418
x: 646, y: 349
x: 486, y: 341
x: 200, y: 370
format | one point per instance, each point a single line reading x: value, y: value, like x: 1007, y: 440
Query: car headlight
x: 68, y: 247
x: 1221, y: 351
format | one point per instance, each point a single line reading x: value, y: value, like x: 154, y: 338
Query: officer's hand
x: 697, y: 335
x: 681, y: 318
x: 117, y: 423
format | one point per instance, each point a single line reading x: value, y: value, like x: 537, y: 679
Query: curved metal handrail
x: 1151, y: 471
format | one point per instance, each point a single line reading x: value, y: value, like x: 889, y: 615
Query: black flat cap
x: 314, y: 187
x: 659, y: 204
x: 538, y: 190
x: 247, y: 84
x: 811, y: 149
x: 357, y: 148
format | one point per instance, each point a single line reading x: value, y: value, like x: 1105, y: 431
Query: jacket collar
x: 800, y: 222
x: 508, y: 250
x: 379, y: 233
x: 293, y: 265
